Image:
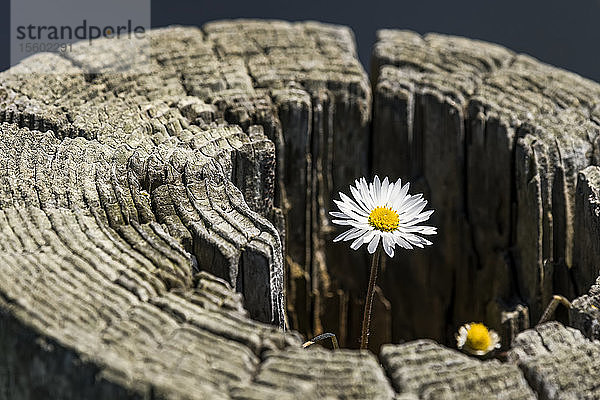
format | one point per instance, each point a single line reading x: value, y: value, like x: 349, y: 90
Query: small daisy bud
x: 475, y: 338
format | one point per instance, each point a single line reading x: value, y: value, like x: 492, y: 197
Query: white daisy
x: 383, y: 212
x: 476, y: 338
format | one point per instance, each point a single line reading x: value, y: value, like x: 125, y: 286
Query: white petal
x: 359, y: 232
x: 356, y: 244
x: 403, y: 191
x: 351, y: 204
x: 427, y: 230
x: 394, y: 190
x: 397, y: 187
x: 416, y: 208
x: 369, y: 235
x: 364, y: 225
x: 390, y: 251
x: 495, y: 340
x: 348, y: 211
x: 377, y: 190
x: 461, y: 337
x: 344, y: 236
x: 338, y: 214
x: 413, y: 239
x: 373, y: 244
x: 407, y: 202
x: 420, y: 229
x: 366, y: 194
x: 342, y: 221
x: 384, y: 191
x: 426, y: 242
x: 388, y: 245
x: 359, y: 200
x: 419, y: 218
x: 401, y: 242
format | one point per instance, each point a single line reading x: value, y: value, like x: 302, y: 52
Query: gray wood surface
x: 431, y: 371
x: 121, y: 191
x: 585, y: 314
x: 558, y: 362
x: 153, y: 221
x: 496, y: 141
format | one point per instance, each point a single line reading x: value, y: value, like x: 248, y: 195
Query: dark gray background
x: 559, y: 32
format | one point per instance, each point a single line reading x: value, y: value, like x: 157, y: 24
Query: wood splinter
x: 322, y: 337
x: 549, y: 312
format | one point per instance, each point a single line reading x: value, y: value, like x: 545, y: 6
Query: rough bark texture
x: 318, y: 118
x: 585, y: 314
x: 117, y: 189
x: 148, y: 217
x: 558, y: 362
x: 431, y: 371
x: 332, y: 374
x: 495, y: 140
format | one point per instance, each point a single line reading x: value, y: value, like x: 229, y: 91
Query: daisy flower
x: 475, y: 338
x: 382, y: 212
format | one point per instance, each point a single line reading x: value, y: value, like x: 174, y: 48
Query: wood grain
x: 160, y: 225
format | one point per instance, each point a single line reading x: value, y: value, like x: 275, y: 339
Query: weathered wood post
x: 152, y: 221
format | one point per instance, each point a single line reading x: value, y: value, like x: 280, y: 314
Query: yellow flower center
x: 478, y: 337
x: 384, y: 219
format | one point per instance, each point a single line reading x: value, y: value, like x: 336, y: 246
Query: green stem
x: 366, y: 323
